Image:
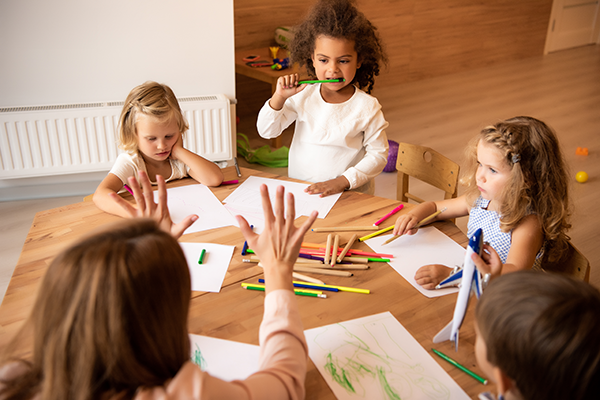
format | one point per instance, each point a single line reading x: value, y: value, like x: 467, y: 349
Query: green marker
x: 378, y: 259
x: 201, y: 259
x: 337, y: 80
x: 457, y: 365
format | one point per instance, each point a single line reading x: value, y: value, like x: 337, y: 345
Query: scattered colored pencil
x: 389, y: 228
x: 297, y: 292
x: 394, y: 211
x: 457, y: 365
x: 201, y: 259
x: 344, y: 228
x: 348, y: 245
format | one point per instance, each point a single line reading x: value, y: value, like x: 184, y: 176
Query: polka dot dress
x: 489, y: 221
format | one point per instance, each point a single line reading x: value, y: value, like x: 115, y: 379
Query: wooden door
x: 573, y: 23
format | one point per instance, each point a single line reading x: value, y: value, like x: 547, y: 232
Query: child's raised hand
x: 429, y: 276
x: 149, y: 209
x: 279, y: 243
x: 332, y: 186
x: 489, y: 262
x: 405, y: 223
x: 287, y: 86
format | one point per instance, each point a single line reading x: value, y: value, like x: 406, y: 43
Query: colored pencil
x: 327, y: 249
x: 306, y: 285
x: 336, y: 244
x: 233, y: 182
x: 394, y: 211
x: 297, y: 292
x: 323, y: 81
x: 126, y: 186
x: 340, y: 288
x: 362, y: 239
x: 322, y: 271
x: 421, y: 223
x: 201, y: 259
x: 336, y: 266
x: 457, y: 365
x: 307, y: 278
x: 344, y: 228
x: 348, y: 245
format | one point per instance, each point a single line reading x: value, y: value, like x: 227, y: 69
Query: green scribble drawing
x: 359, y: 367
x: 198, y: 359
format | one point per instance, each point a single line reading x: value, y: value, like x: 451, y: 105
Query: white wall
x: 75, y: 51
x: 69, y: 51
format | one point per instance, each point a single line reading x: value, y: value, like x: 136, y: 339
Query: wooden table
x: 235, y: 313
x: 265, y: 74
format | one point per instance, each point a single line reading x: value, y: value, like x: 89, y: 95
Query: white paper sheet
x: 208, y: 276
x: 197, y: 199
x: 376, y: 358
x: 224, y: 359
x: 246, y: 200
x: 411, y: 252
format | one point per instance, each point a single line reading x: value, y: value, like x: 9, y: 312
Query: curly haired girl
x: 339, y: 141
x: 517, y: 191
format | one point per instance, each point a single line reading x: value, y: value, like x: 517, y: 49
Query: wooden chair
x: 572, y: 262
x: 428, y: 166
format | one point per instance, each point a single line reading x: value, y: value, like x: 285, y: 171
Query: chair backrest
x: 572, y: 262
x: 428, y: 166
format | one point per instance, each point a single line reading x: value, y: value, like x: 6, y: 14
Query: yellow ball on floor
x: 581, y: 177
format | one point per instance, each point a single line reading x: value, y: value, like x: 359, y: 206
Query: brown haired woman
x: 110, y: 318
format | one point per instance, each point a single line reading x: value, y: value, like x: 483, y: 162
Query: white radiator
x: 79, y: 138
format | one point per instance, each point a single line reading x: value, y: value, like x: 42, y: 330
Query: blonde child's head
x: 110, y: 315
x: 153, y: 100
x: 340, y: 19
x: 538, y: 182
x: 542, y: 331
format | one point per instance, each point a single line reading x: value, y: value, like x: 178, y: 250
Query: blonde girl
x: 517, y: 192
x: 151, y: 129
x: 538, y: 337
x: 339, y: 141
x: 110, y: 318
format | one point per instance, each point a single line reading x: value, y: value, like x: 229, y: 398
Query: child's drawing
x: 376, y: 358
x: 197, y: 358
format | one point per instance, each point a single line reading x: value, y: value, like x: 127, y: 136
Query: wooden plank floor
x: 562, y: 89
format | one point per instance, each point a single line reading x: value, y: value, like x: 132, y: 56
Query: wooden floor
x: 562, y: 89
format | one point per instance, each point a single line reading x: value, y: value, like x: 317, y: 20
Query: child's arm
x: 271, y: 119
x: 287, y: 86
x: 527, y: 239
x: 429, y: 276
x: 102, y: 196
x: 405, y: 223
x: 202, y: 170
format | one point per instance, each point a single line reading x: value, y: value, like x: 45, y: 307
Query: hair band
x: 516, y: 157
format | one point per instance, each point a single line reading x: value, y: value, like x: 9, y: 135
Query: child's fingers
x: 178, y: 229
x: 137, y: 192
x: 125, y: 205
x: 162, y: 196
x: 266, y: 204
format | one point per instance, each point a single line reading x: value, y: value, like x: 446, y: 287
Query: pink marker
x: 233, y: 182
x: 394, y: 211
x: 128, y: 189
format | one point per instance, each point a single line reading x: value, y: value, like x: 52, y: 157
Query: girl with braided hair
x: 151, y: 129
x: 517, y: 192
